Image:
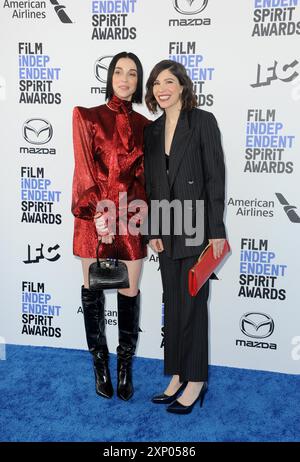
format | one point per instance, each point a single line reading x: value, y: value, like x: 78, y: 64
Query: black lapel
x: 179, y: 144
x: 157, y: 143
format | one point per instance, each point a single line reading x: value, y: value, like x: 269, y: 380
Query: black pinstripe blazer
x: 196, y: 171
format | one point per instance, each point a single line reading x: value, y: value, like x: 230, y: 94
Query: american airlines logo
x: 289, y: 209
x: 60, y: 11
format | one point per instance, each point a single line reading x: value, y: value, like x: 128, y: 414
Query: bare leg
x: 134, y: 272
x: 86, y: 262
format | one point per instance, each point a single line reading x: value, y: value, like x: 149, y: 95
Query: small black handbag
x: 108, y: 274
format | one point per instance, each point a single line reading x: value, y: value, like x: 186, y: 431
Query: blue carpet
x: 47, y: 395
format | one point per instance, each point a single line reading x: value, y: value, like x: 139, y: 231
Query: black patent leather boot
x: 128, y: 322
x: 94, y: 320
x: 102, y: 374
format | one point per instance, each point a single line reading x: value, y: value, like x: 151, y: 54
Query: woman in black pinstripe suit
x: 183, y: 162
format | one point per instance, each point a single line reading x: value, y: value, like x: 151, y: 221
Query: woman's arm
x: 214, y: 176
x: 85, y: 192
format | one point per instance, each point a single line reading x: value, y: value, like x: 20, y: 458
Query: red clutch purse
x: 205, y: 266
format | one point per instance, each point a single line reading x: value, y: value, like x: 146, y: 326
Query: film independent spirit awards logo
x: 101, y: 68
x: 37, y: 131
x: 257, y: 325
x: 190, y: 7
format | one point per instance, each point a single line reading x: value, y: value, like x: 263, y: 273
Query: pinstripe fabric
x: 196, y: 171
x: 185, y: 320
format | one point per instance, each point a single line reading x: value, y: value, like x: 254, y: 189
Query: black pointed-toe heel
x: 178, y: 408
x: 166, y: 399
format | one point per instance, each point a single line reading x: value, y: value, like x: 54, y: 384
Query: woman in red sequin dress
x: 108, y: 150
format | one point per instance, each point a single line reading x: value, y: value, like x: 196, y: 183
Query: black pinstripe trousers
x: 185, y: 321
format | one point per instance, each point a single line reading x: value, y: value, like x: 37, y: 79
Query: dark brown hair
x: 188, y: 96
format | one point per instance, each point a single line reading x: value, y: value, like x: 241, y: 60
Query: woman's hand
x: 107, y: 239
x: 217, y: 245
x: 102, y: 229
x: 156, y: 245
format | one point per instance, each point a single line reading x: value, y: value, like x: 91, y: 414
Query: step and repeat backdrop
x: 244, y: 59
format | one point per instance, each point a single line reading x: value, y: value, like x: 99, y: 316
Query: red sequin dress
x: 108, y: 150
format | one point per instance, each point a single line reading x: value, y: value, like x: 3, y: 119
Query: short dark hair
x: 188, y: 96
x: 137, y: 97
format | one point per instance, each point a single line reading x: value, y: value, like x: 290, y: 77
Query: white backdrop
x: 243, y: 57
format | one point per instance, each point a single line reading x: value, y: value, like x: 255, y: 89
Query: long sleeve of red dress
x: 86, y: 188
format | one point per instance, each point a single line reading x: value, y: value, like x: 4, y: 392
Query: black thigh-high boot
x: 94, y: 320
x: 128, y: 323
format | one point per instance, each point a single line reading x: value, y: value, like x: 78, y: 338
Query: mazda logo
x: 257, y: 325
x: 37, y: 131
x: 190, y: 6
x: 101, y: 68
